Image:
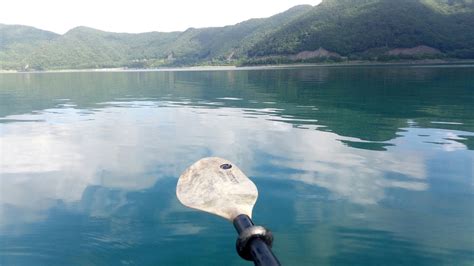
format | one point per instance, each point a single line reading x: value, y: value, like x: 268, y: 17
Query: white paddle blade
x: 217, y: 186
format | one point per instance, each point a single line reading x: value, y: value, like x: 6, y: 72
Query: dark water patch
x: 374, y: 146
x: 6, y: 120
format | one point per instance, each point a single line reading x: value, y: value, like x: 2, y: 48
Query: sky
x: 138, y: 15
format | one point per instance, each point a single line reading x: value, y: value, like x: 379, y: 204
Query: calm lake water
x: 354, y: 165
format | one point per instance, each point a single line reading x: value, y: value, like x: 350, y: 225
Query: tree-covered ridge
x: 334, y: 30
x: 16, y: 41
x: 351, y: 27
x: 11, y: 34
x: 84, y: 47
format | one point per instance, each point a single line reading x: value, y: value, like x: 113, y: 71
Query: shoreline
x: 256, y: 67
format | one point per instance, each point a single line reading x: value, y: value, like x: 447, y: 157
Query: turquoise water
x: 354, y: 165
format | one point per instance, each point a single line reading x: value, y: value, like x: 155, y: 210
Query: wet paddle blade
x: 217, y: 186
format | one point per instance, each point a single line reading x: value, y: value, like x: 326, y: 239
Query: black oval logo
x: 226, y: 166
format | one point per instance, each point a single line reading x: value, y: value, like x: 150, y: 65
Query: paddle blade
x: 217, y: 186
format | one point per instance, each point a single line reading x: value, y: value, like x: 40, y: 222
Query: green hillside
x: 16, y: 41
x: 84, y: 47
x: 11, y: 34
x: 335, y: 30
x: 222, y: 43
x: 365, y: 27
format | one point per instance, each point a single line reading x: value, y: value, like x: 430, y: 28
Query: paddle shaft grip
x: 260, y: 252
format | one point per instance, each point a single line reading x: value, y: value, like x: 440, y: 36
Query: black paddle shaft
x: 260, y: 251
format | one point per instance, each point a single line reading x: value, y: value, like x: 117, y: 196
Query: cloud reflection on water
x: 129, y: 146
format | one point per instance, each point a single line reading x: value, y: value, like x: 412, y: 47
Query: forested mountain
x: 351, y: 27
x: 333, y: 30
x: 17, y: 42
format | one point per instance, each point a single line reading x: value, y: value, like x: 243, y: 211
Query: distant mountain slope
x: 11, y: 34
x: 16, y: 41
x: 222, y: 42
x: 84, y: 47
x: 341, y: 29
x: 356, y: 26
